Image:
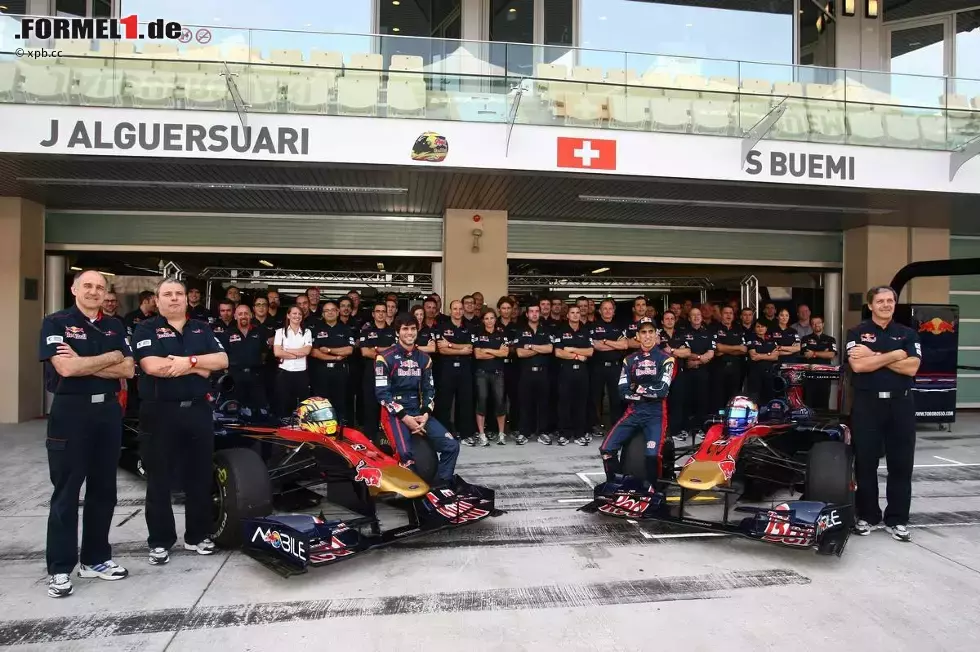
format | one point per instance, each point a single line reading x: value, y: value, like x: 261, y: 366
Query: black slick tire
x: 242, y: 489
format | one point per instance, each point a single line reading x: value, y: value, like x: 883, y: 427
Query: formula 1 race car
x: 290, y: 466
x: 748, y: 455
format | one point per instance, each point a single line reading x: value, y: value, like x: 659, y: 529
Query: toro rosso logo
x: 369, y: 475
x: 936, y: 326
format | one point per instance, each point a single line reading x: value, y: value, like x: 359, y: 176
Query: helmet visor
x: 738, y: 412
x: 322, y: 415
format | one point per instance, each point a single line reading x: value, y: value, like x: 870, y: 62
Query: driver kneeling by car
x: 644, y: 384
x: 403, y: 385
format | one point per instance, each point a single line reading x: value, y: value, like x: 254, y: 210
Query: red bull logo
x: 369, y: 475
x: 727, y: 466
x: 936, y: 326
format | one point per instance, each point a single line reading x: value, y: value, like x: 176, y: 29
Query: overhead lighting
x: 512, y: 10
x: 849, y: 8
x: 75, y: 269
x: 396, y: 29
x: 735, y: 204
x: 266, y: 263
x: 395, y: 2
x: 600, y: 270
x: 204, y: 185
x: 107, y: 273
x: 871, y: 8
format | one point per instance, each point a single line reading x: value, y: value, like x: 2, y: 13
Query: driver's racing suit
x: 643, y: 384
x: 403, y: 385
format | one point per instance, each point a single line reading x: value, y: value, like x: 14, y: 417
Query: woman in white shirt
x: 291, y: 345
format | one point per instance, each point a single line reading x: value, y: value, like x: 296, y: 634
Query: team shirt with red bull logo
x: 819, y: 343
x: 87, y: 338
x: 403, y: 381
x: 157, y: 338
x: 484, y: 340
x: 646, y: 377
x: 883, y: 340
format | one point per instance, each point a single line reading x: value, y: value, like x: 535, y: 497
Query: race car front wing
x: 290, y: 543
x: 795, y: 523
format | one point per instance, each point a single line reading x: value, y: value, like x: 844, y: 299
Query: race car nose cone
x: 701, y: 476
x: 402, y: 482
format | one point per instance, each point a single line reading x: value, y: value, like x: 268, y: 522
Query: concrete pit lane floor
x: 542, y: 577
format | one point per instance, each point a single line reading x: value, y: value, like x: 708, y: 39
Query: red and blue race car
x: 787, y: 448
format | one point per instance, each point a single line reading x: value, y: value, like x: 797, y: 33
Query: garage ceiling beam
x: 313, y: 277
x: 611, y: 283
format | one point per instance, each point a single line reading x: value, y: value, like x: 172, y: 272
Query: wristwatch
x: 193, y: 361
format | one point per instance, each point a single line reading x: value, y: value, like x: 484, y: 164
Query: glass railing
x: 407, y: 77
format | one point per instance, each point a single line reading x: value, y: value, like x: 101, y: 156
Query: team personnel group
x: 550, y: 370
x: 546, y: 371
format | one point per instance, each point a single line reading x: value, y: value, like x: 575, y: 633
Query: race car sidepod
x: 288, y: 544
x: 795, y: 523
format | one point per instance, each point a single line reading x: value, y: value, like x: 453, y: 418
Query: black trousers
x: 573, y: 398
x: 816, y: 394
x: 355, y: 391
x: 727, y: 378
x: 604, y: 379
x: 456, y: 385
x: 675, y: 404
x: 535, y: 392
x: 890, y: 421
x: 329, y: 380
x: 170, y: 430
x: 292, y: 388
x: 83, y: 441
x: 554, y: 411
x: 512, y: 384
x: 250, y: 387
x: 371, y: 419
x: 697, y: 397
x: 759, y: 382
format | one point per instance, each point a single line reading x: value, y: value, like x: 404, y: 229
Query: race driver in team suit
x: 643, y: 384
x: 403, y: 385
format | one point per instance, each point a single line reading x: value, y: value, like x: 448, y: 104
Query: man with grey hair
x: 884, y: 357
x: 177, y: 356
x: 85, y: 356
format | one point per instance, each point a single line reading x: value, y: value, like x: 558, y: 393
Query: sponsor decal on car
x: 369, y: 475
x: 626, y: 506
x: 281, y: 541
x: 457, y: 511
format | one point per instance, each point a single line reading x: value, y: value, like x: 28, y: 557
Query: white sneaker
x: 107, y: 570
x: 899, y: 533
x: 482, y: 439
x: 863, y: 528
x: 501, y: 439
x: 159, y: 556
x: 205, y: 547
x: 60, y: 586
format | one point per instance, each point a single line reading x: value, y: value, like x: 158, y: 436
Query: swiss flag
x: 587, y: 153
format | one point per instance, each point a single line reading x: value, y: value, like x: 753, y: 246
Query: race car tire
x: 632, y: 458
x: 426, y: 460
x: 242, y: 490
x: 830, y: 473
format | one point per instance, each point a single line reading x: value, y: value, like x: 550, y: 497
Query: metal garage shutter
x: 299, y: 234
x: 527, y: 239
